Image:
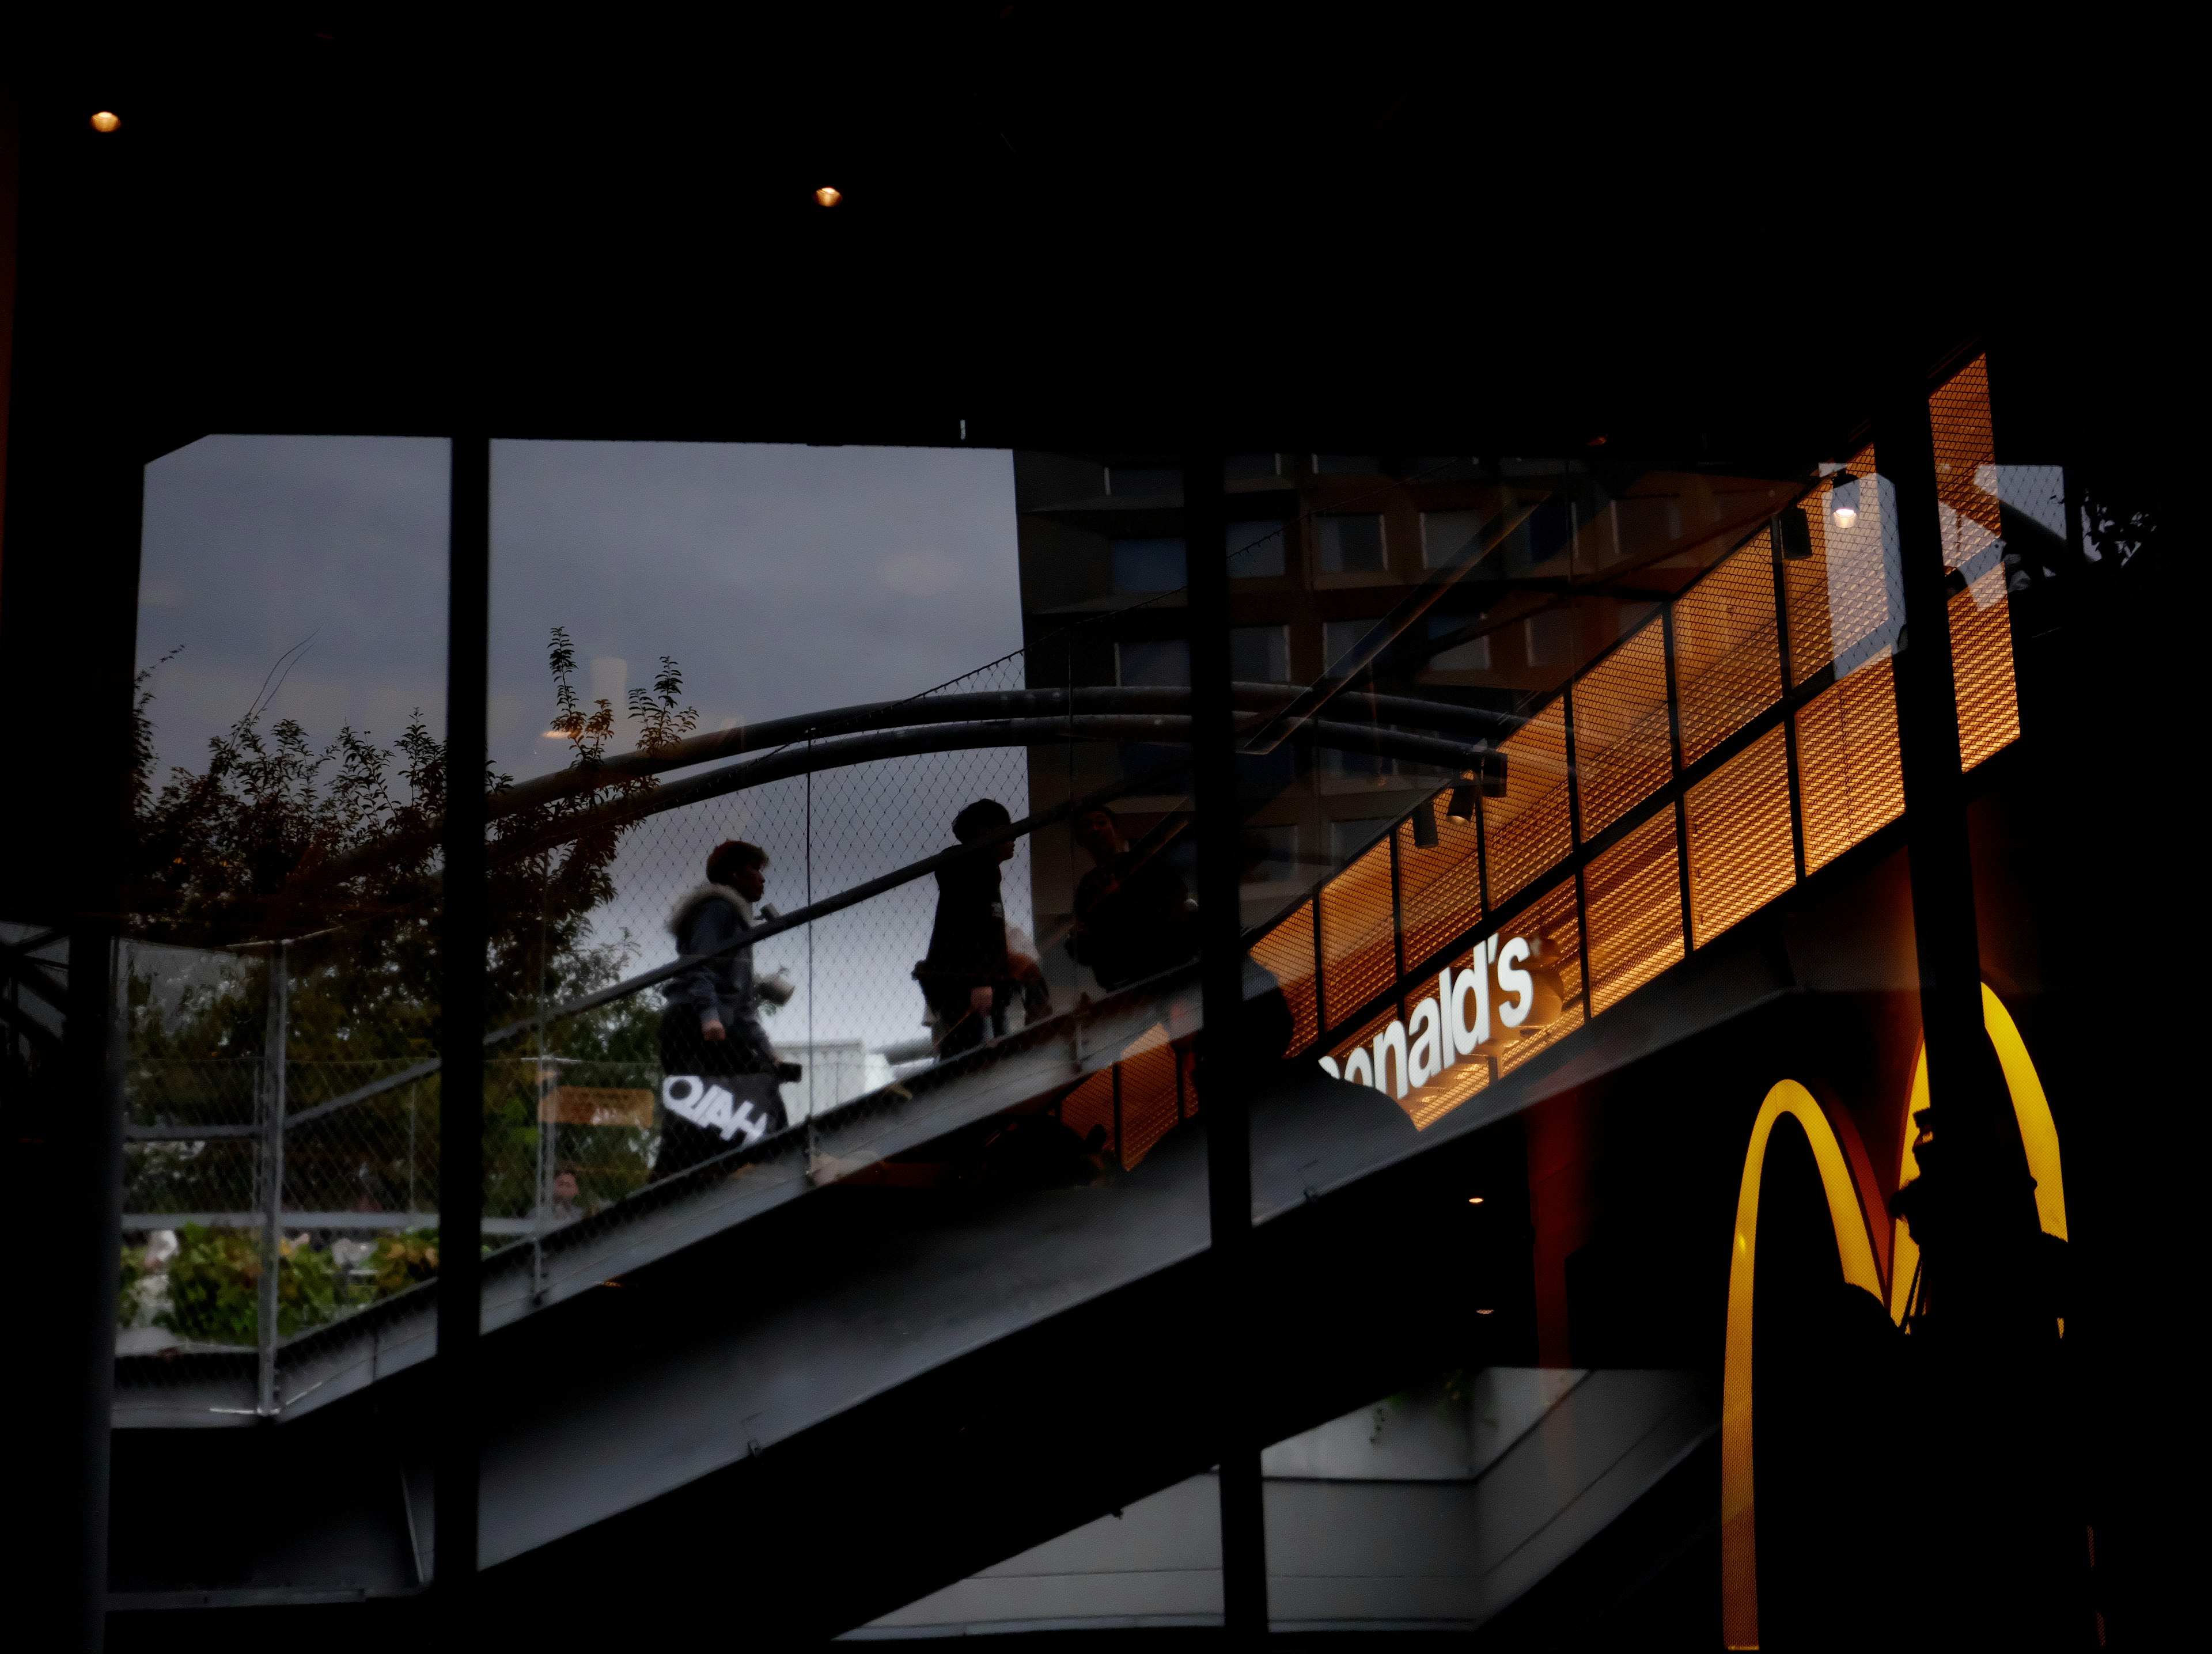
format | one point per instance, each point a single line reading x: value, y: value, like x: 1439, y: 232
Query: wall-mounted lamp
x: 827, y: 197
x: 1844, y: 507
x: 106, y: 121
x: 1425, y: 825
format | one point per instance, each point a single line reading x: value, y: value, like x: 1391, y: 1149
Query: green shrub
x: 214, y: 1283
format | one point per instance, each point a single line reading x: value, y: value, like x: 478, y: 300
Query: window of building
x: 1339, y: 637
x: 1149, y: 566
x: 1143, y: 482
x: 1256, y: 548
x: 1260, y: 654
x: 1247, y: 468
x: 1157, y: 664
x: 1351, y: 544
x: 1471, y: 656
x: 1449, y: 537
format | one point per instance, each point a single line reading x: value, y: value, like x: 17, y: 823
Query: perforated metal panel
x: 1288, y: 951
x: 1530, y: 828
x: 1553, y: 918
x: 1972, y: 526
x: 1635, y: 902
x: 1091, y: 1105
x: 1739, y: 854
x: 1151, y: 1104
x: 1441, y: 888
x: 1727, y: 667
x: 1848, y: 771
x: 1358, y: 944
x: 1624, y: 749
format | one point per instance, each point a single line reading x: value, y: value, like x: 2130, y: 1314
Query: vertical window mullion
x: 1788, y: 716
x: 1575, y: 829
x: 1674, y: 743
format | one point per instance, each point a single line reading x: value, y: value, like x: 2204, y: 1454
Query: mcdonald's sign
x: 1877, y: 1257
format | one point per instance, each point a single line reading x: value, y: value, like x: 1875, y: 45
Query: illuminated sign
x: 1509, y: 987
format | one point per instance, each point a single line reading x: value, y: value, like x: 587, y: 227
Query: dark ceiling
x: 1077, y: 224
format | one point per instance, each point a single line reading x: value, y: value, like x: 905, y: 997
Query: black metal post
x: 1982, y: 1148
x: 460, y: 1127
x: 1994, y: 1564
x: 1221, y: 1080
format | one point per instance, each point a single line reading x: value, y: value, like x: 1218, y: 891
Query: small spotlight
x: 1845, y: 516
x: 1474, y: 1200
x: 1425, y: 825
x: 1486, y: 1312
x: 827, y: 197
x: 1462, y: 809
x: 106, y: 121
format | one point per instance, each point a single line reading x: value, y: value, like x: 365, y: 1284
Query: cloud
x: 920, y: 573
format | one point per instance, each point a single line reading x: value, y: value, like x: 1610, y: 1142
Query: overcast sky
x: 783, y: 580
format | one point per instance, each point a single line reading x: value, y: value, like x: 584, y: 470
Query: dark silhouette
x: 718, y: 1089
x: 970, y: 977
x: 1132, y: 912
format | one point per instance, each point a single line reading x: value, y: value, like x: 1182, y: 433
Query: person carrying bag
x: 719, y: 1088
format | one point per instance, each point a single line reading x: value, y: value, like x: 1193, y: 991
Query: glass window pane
x: 1149, y: 565
x: 1350, y: 544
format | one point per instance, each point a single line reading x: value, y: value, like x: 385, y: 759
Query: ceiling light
x: 827, y: 197
x: 1845, y: 516
x: 106, y: 121
x: 1425, y: 825
x: 1474, y: 1200
x: 1462, y: 799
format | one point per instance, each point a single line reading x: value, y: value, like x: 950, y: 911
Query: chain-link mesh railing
x: 283, y: 1093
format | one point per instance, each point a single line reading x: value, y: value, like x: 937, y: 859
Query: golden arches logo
x: 1854, y: 1227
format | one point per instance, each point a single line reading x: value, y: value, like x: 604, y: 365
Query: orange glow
x: 827, y: 197
x: 1474, y: 1200
x: 106, y: 121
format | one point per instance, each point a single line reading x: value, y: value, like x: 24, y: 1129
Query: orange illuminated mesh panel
x: 1530, y: 828
x: 1848, y: 774
x: 1358, y: 939
x: 1151, y: 1100
x: 1739, y: 854
x: 1440, y: 890
x: 1551, y: 919
x: 1843, y: 584
x: 1288, y: 951
x: 1635, y: 902
x: 1981, y: 628
x: 1623, y: 747
x: 1728, y: 667
x: 1091, y: 1105
x: 1981, y: 662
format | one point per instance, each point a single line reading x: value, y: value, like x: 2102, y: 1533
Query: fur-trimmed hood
x: 681, y: 915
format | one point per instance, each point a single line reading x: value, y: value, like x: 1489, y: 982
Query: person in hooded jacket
x: 720, y: 1070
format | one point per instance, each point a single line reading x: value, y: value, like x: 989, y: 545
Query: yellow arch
x: 1855, y: 1245
x: 2038, y: 1135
